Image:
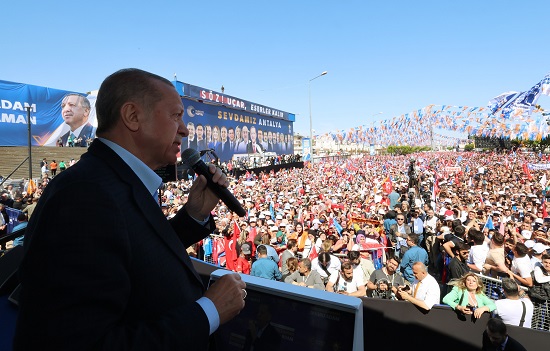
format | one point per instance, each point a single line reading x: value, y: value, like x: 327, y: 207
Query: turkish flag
x: 527, y: 171
x: 387, y: 185
x: 313, y: 253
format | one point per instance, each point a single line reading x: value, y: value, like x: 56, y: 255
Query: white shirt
x: 478, y: 254
x: 428, y: 291
x: 417, y: 226
x: 431, y: 223
x: 511, y: 310
x: 522, y: 266
x: 333, y: 266
x: 347, y: 286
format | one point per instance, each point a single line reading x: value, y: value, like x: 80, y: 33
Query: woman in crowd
x: 468, y: 297
x: 292, y: 264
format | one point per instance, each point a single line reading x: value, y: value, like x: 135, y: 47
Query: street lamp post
x: 310, y: 119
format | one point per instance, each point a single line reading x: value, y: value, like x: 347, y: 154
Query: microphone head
x: 189, y: 157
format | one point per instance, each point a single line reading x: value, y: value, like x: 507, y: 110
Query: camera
x: 471, y: 308
x: 383, y: 294
x: 404, y: 288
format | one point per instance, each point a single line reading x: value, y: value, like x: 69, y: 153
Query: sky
x: 389, y: 56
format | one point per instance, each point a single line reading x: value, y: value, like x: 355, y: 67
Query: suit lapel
x: 145, y: 202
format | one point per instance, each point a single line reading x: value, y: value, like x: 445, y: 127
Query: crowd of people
x: 355, y: 227
x: 362, y: 226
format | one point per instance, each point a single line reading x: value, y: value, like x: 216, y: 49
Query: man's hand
x: 227, y: 295
x: 202, y: 199
x: 403, y: 295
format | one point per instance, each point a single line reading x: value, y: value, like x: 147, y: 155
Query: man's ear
x: 129, y: 115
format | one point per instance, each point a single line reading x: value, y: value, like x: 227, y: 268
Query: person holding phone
x: 467, y: 296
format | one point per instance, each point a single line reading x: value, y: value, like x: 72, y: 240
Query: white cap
x: 529, y: 243
x: 270, y: 222
x: 540, y: 248
x: 526, y: 234
x: 445, y: 230
x: 449, y: 218
x: 274, y: 228
x: 279, y: 217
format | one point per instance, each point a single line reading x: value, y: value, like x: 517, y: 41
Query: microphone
x: 191, y: 158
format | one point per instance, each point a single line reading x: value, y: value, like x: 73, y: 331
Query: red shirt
x: 242, y: 265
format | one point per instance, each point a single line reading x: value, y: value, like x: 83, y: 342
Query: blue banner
x: 13, y: 214
x: 229, y: 132
x: 207, y: 95
x: 47, y: 123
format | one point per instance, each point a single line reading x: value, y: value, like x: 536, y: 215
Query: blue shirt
x: 387, y: 224
x: 266, y: 268
x: 413, y: 254
x: 19, y: 240
x: 394, y: 198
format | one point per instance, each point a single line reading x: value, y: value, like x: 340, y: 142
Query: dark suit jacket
x: 104, y: 269
x: 88, y: 132
x: 192, y: 144
x: 511, y: 344
x: 394, y: 229
x: 201, y: 145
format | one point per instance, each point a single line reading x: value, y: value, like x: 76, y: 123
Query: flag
x: 498, y: 102
x: 31, y: 187
x: 337, y: 226
x: 313, y: 253
x: 545, y: 88
x: 272, y: 210
x: 489, y: 225
x: 387, y: 185
x: 543, y: 181
x: 543, y: 204
x: 527, y: 171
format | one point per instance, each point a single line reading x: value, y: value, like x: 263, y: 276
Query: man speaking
x: 117, y: 276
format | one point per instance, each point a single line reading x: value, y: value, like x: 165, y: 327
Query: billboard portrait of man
x: 75, y: 110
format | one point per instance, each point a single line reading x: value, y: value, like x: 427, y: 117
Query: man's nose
x: 182, y: 129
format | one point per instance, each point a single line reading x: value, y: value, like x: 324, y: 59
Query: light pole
x: 310, y: 120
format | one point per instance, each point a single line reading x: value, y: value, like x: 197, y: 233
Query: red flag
x: 527, y: 171
x: 387, y: 185
x: 544, y: 212
x: 313, y: 253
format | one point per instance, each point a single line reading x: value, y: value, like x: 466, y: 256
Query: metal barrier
x: 541, y: 317
x: 493, y: 288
